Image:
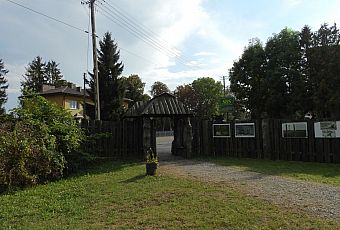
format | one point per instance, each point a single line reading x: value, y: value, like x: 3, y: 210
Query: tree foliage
x: 295, y: 73
x: 34, y: 76
x: 111, y: 86
x: 54, y: 75
x: 247, y: 79
x: 201, y: 96
x: 39, y: 73
x: 158, y: 88
x: 135, y: 89
x: 3, y: 87
x: 36, y: 142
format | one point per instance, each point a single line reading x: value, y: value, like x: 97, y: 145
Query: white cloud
x: 292, y: 3
x: 205, y: 53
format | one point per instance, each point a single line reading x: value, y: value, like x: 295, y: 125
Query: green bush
x: 60, y: 123
x: 27, y: 156
x: 38, y: 143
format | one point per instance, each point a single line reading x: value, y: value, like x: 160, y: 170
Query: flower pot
x: 151, y: 169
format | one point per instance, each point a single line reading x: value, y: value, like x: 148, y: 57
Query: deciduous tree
x: 134, y: 88
x: 247, y: 79
x: 201, y: 96
x: 158, y: 88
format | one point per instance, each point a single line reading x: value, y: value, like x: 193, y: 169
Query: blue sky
x: 206, y: 35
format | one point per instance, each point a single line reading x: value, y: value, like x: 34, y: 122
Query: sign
x: 245, y: 130
x: 221, y: 130
x: 226, y: 104
x: 327, y: 129
x: 294, y: 130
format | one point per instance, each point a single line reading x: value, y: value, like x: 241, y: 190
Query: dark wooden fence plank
x: 118, y: 140
x: 268, y: 143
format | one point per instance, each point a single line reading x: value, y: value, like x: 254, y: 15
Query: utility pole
x: 84, y: 97
x: 223, y: 84
x: 95, y: 62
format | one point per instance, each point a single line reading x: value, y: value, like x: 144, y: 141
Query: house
x: 70, y: 98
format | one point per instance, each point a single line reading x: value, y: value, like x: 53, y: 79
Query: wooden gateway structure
x: 164, y: 105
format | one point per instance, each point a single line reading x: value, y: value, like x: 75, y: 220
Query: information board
x: 245, y: 130
x: 294, y: 130
x: 221, y: 130
x: 327, y: 129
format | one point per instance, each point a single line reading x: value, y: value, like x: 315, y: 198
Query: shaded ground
x: 317, y: 199
x: 164, y: 149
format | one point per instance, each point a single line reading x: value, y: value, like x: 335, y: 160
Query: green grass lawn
x: 316, y: 172
x: 119, y: 196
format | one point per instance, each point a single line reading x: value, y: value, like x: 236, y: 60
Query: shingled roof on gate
x: 162, y: 105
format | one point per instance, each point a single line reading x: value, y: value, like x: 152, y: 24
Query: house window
x: 294, y: 130
x: 74, y: 105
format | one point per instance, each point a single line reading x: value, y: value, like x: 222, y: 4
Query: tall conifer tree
x: 111, y: 85
x: 3, y: 87
x: 35, y: 76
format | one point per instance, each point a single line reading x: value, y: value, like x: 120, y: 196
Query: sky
x: 172, y: 41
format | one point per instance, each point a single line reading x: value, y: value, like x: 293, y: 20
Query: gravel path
x: 314, y: 198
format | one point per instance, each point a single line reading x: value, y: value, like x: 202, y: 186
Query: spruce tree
x: 3, y: 87
x: 111, y: 86
x: 35, y: 76
x: 54, y: 75
x: 39, y: 73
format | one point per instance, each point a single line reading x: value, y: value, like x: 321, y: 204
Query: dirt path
x: 313, y: 198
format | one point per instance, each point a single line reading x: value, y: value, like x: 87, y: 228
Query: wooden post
x: 187, y: 137
x: 146, y: 135
x: 267, y: 148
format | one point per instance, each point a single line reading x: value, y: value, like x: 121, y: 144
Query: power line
x: 47, y: 16
x: 132, y: 30
x: 74, y: 27
x: 148, y: 41
x: 145, y: 31
x: 78, y: 29
x: 140, y: 28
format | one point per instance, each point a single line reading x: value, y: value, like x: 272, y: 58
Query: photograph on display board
x: 294, y: 130
x: 327, y: 129
x: 221, y: 130
x: 245, y: 130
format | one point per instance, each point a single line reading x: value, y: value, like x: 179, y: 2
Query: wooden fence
x: 267, y: 143
x: 118, y: 140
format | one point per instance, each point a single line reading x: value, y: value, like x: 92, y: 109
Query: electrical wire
x: 78, y: 29
x: 47, y: 16
x: 144, y: 30
x: 148, y: 41
x: 141, y: 29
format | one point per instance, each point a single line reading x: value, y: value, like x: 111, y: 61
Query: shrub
x: 60, y: 123
x: 36, y: 143
x: 27, y: 156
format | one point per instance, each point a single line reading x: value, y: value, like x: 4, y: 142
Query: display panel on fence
x: 245, y: 130
x: 327, y: 129
x: 221, y: 130
x: 294, y: 130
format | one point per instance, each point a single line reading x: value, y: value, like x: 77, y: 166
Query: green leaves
x: 35, y: 143
x: 293, y: 74
x: 201, y: 96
